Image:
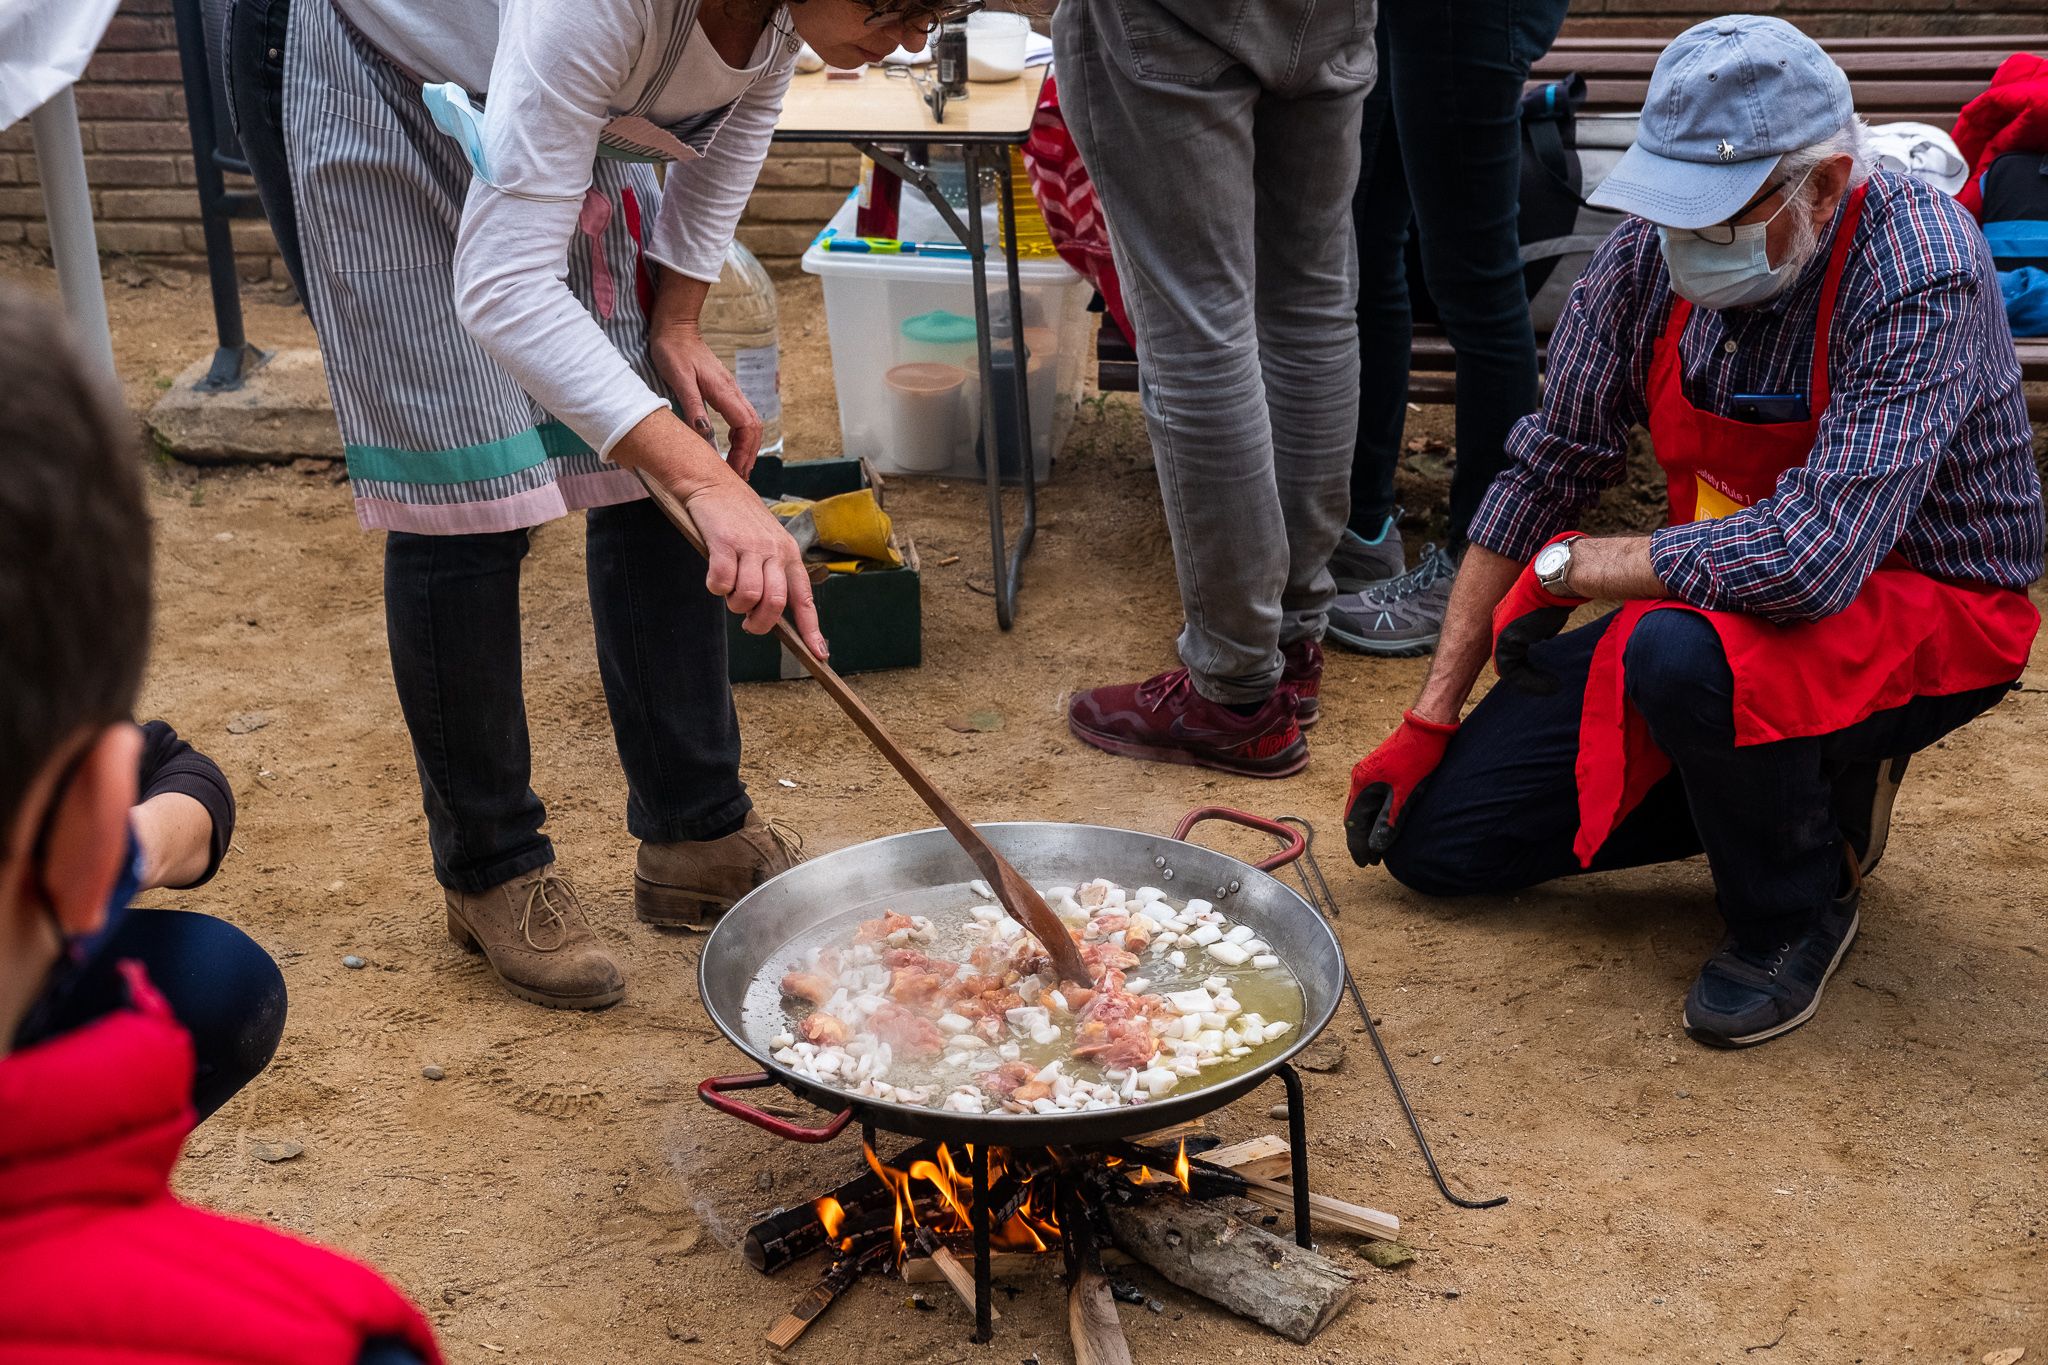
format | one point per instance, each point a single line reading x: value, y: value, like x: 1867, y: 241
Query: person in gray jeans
x: 1223, y: 140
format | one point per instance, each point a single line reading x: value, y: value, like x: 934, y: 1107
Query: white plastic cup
x: 925, y: 415
x: 995, y: 46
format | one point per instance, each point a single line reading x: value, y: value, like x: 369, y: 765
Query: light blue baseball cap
x: 1727, y: 99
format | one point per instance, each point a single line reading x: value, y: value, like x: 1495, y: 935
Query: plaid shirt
x: 1924, y: 447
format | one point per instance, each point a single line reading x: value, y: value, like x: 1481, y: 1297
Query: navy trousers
x: 218, y: 981
x: 1501, y: 812
x: 1442, y: 158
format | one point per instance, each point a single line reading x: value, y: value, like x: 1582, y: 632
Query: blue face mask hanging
x: 1720, y: 275
x: 78, y: 955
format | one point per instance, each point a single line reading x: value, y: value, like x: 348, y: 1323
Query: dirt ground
x: 1867, y: 1190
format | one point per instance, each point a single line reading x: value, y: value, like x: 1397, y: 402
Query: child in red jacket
x: 98, y: 1259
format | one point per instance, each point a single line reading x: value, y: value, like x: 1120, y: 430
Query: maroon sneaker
x: 1302, y: 672
x: 1164, y: 718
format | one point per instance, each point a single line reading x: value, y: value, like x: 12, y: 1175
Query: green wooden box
x: 871, y: 619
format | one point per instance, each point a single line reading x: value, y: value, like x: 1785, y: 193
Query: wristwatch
x: 1553, y: 566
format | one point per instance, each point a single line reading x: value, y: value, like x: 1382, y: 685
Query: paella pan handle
x: 712, y: 1092
x: 1291, y: 836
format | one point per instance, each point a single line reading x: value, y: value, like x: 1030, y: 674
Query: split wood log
x: 942, y: 1259
x: 921, y: 1270
x: 1265, y: 1165
x: 1093, y: 1324
x: 868, y: 1252
x: 806, y: 1310
x: 1323, y: 1210
x: 1266, y: 1157
x: 1289, y: 1289
x: 926, y: 1269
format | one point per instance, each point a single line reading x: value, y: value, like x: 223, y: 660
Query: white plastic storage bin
x: 904, y: 356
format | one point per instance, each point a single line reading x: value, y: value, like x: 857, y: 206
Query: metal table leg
x: 1004, y: 564
x: 992, y: 465
x: 1027, y: 532
x: 67, y: 205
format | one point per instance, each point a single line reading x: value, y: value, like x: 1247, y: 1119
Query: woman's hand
x: 697, y: 377
x: 754, y: 563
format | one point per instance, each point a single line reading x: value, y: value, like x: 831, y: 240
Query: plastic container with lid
x: 995, y: 45
x: 884, y: 310
x: 740, y: 324
x: 943, y: 337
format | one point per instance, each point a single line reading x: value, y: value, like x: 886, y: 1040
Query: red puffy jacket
x: 2011, y: 116
x: 100, y: 1262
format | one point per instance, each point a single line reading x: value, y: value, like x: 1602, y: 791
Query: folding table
x: 995, y: 117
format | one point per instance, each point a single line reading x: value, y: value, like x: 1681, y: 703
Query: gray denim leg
x: 1207, y: 129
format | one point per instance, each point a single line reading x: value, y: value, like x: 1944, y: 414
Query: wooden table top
x: 878, y: 106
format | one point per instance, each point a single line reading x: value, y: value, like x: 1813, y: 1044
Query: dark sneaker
x: 1863, y: 807
x: 1302, y: 671
x: 1745, y: 996
x: 1165, y: 719
x: 1358, y: 561
x: 1400, y: 617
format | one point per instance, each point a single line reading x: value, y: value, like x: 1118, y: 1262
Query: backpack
x: 1564, y: 159
x: 2015, y: 216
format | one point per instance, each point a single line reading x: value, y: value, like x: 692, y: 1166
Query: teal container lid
x: 940, y: 327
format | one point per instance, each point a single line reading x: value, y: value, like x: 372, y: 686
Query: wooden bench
x: 1922, y: 80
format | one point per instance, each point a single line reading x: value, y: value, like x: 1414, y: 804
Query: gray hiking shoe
x: 1357, y: 562
x: 1400, y: 617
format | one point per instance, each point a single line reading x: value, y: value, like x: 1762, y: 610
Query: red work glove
x: 1530, y: 613
x: 1384, y: 780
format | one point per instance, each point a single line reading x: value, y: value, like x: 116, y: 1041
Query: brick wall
x: 138, y: 153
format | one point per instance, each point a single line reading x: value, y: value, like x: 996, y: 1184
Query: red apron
x: 1905, y: 635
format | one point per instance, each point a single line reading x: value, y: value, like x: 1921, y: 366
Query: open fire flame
x: 937, y: 1193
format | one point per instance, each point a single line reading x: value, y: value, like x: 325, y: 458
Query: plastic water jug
x: 739, y: 324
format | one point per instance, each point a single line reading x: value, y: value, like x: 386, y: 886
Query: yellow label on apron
x: 1709, y: 503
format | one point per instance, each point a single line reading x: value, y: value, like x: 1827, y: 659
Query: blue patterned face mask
x: 456, y: 116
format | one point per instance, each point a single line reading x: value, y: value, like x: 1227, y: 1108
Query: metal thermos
x: 949, y: 55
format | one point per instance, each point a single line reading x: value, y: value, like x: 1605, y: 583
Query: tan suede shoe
x: 681, y: 886
x: 532, y: 931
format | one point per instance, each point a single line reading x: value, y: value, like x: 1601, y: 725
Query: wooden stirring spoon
x: 1018, y: 896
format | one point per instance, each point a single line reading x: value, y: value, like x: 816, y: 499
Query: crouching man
x: 1823, y: 365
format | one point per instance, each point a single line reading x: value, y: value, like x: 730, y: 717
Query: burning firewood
x: 871, y: 1250
x: 786, y: 1237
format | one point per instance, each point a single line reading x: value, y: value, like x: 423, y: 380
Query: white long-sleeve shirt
x: 552, y: 73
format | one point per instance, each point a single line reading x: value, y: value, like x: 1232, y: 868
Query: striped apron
x: 439, y: 439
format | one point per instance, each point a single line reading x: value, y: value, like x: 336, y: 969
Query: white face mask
x: 1730, y: 274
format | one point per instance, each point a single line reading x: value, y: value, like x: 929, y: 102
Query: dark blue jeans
x: 1442, y: 149
x: 1500, y: 813
x: 218, y: 982
x: 451, y: 610
x: 254, y: 58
